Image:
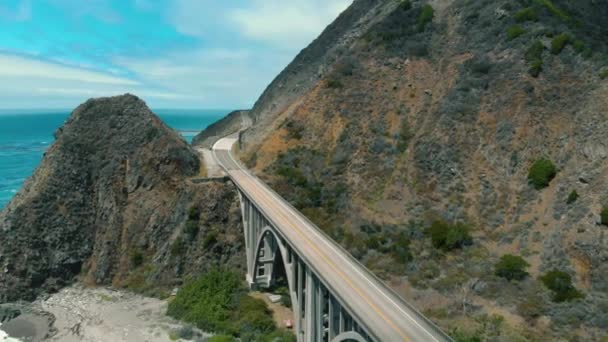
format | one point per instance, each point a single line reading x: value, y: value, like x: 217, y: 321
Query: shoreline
x: 78, y: 313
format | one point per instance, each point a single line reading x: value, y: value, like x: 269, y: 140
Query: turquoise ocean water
x: 25, y: 135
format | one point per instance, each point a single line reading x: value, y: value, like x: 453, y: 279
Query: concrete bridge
x: 334, y: 297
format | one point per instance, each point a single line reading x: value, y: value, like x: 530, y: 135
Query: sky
x: 171, y: 53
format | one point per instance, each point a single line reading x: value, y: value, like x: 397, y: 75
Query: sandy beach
x: 92, y: 315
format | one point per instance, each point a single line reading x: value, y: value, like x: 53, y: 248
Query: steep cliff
x: 113, y: 201
x: 428, y: 111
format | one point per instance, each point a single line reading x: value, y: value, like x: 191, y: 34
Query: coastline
x: 78, y: 313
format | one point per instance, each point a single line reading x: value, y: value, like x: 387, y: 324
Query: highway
x: 386, y: 316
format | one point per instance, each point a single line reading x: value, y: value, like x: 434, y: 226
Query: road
x: 387, y: 316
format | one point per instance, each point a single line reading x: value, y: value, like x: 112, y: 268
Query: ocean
x: 25, y: 135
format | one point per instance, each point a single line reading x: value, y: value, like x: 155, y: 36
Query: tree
x: 560, y: 283
x: 511, y: 267
x: 542, y: 173
x: 448, y: 237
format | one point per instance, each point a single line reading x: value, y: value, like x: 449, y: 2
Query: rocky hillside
x: 449, y: 134
x: 113, y: 202
x: 232, y: 123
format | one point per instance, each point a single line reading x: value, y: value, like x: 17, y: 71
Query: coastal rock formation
x: 113, y: 201
x: 407, y: 112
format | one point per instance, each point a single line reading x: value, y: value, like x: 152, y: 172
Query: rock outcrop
x: 112, y: 201
x: 406, y: 112
x: 232, y: 123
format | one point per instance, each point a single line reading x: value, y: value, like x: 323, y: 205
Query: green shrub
x: 218, y: 302
x: 604, y: 216
x: 554, y: 10
x: 426, y: 16
x: 534, y: 57
x: 535, y: 51
x: 604, y: 74
x: 405, y: 5
x: 526, y: 14
x: 536, y: 67
x: 280, y: 335
x: 137, y: 258
x: 511, y: 267
x: 448, y: 237
x: 542, y: 173
x: 252, y: 317
x: 559, y: 43
x: 572, y: 197
x: 207, y: 301
x: 334, y: 84
x: 560, y: 283
x: 514, y: 32
x: 579, y: 46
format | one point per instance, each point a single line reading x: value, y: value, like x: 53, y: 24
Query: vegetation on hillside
x: 604, y: 216
x: 218, y: 302
x: 511, y: 267
x: 560, y: 283
x: 542, y: 173
x: 447, y: 236
x: 572, y: 197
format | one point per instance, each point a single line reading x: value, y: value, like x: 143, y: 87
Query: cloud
x: 292, y: 24
x: 177, y: 53
x: 29, y: 82
x: 287, y: 25
x: 215, y: 78
x: 19, y: 66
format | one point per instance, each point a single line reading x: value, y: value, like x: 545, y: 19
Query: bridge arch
x: 317, y: 314
x: 277, y: 248
x: 267, y: 245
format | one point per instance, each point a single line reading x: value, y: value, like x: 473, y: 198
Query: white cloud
x: 27, y: 82
x: 214, y: 78
x: 288, y: 25
x: 291, y: 24
x: 18, y: 66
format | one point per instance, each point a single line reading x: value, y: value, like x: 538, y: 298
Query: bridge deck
x: 386, y: 316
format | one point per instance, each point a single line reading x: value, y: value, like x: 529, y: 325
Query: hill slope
x: 112, y: 201
x: 428, y: 111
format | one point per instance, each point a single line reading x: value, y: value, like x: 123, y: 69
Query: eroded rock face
x: 110, y: 197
